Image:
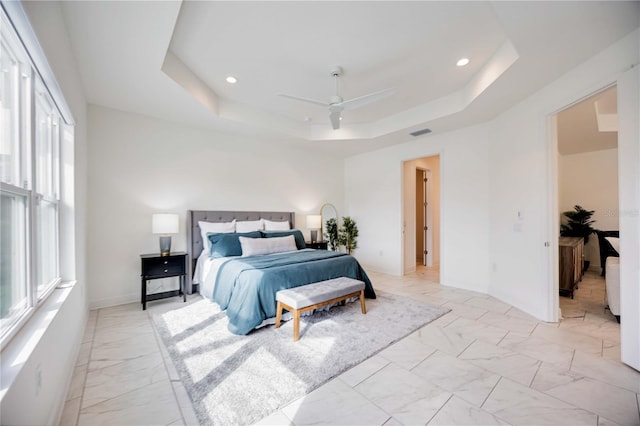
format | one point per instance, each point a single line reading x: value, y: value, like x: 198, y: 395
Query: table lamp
x: 164, y: 224
x: 314, y: 222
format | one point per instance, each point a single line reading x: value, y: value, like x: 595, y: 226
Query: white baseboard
x: 114, y: 301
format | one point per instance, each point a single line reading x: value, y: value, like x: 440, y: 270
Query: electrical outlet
x: 381, y: 253
x: 494, y: 267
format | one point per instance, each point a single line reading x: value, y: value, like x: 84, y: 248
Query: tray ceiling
x: 170, y: 60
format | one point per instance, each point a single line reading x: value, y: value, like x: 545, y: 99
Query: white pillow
x: 270, y: 225
x: 249, y: 225
x: 615, y: 243
x: 214, y: 227
x: 260, y: 246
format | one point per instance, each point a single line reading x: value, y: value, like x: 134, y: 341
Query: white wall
x: 51, y: 339
x: 42, y: 359
x: 373, y: 196
x: 409, y: 183
x: 496, y: 207
x: 590, y: 179
x: 521, y: 180
x: 140, y: 165
x: 518, y: 199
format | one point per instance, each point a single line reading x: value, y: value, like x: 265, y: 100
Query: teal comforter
x: 246, y: 287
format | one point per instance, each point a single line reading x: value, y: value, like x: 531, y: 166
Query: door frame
x: 405, y: 217
x: 551, y: 249
x: 552, y: 252
x: 627, y: 151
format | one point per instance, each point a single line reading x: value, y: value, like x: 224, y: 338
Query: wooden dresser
x: 571, y: 263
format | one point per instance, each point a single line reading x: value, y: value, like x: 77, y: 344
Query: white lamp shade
x: 314, y: 221
x: 165, y: 223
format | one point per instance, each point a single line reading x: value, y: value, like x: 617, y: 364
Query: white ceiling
x: 170, y: 59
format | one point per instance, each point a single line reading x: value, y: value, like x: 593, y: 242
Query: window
x: 13, y: 270
x: 47, y: 153
x: 30, y: 133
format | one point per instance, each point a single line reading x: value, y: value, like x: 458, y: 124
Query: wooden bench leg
x: 362, y: 305
x: 296, y: 325
x: 278, y: 314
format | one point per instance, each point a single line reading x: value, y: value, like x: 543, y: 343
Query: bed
x: 245, y: 287
x: 606, y: 248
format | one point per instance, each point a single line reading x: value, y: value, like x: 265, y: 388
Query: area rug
x: 238, y: 380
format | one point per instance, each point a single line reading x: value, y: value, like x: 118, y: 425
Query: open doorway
x: 587, y: 178
x: 421, y: 219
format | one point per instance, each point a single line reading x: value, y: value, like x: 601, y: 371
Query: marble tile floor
x: 483, y: 363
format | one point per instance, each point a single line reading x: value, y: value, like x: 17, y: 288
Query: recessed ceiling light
x: 462, y: 62
x: 231, y: 79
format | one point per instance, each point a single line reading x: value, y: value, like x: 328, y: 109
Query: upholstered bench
x: 312, y: 296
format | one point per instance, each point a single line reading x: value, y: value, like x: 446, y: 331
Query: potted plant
x: 332, y: 233
x: 348, y: 234
x: 577, y: 223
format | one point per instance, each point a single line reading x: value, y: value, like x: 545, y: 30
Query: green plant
x: 348, y: 234
x: 577, y: 223
x: 332, y: 233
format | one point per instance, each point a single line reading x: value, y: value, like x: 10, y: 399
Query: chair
x: 606, y: 249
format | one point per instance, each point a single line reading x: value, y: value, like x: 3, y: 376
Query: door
x: 629, y: 205
x: 424, y: 232
x: 425, y: 228
x: 420, y: 217
x: 428, y: 221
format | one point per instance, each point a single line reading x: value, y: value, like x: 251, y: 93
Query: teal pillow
x: 224, y: 245
x: 297, y: 235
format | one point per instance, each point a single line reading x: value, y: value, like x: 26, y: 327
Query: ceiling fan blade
x: 367, y: 99
x: 335, y: 119
x: 298, y: 98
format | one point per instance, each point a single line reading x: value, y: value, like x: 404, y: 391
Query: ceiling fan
x: 336, y: 104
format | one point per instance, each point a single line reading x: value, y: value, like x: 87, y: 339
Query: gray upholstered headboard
x: 194, y: 238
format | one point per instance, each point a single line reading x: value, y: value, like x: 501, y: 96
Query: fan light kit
x: 336, y: 104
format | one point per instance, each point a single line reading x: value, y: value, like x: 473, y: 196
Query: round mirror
x: 327, y: 211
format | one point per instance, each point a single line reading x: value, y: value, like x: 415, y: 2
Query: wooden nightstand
x: 318, y: 245
x: 155, y: 266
